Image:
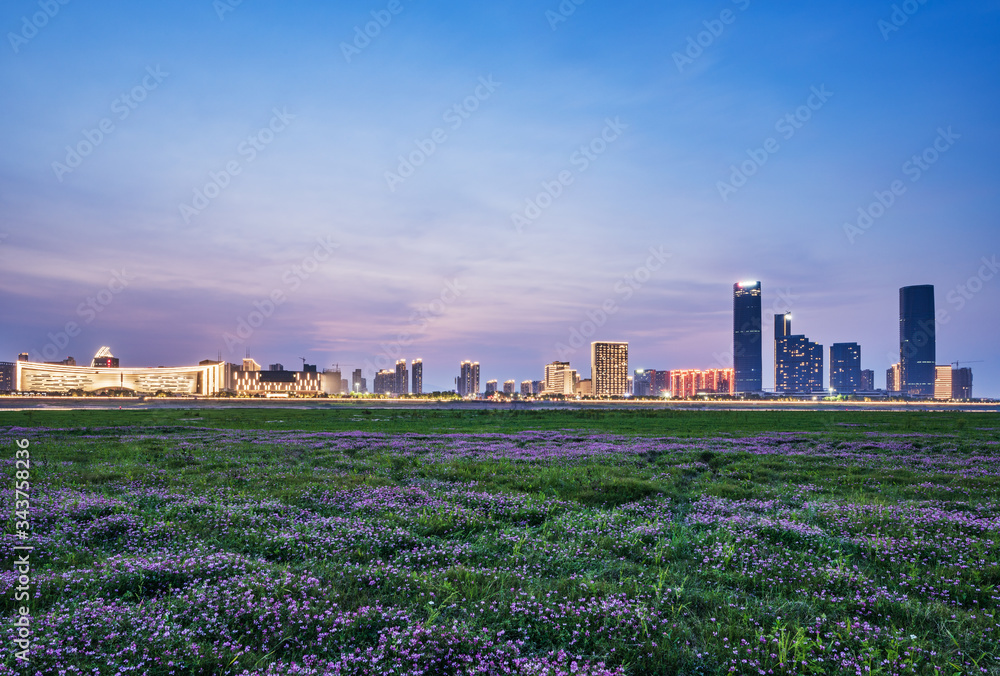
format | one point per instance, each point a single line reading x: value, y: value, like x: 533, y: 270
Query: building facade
x: 893, y: 378
x: 560, y: 378
x: 206, y: 379
x: 798, y: 362
x: 417, y: 368
x: 609, y: 368
x: 510, y: 387
x: 961, y: 384
x: 468, y: 379
x: 402, y: 379
x: 688, y: 383
x: 917, y: 340
x: 942, y: 383
x: 385, y: 382
x: 845, y: 368
x: 867, y: 380
x: 747, y: 344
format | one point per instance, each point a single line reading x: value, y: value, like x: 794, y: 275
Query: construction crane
x: 956, y: 363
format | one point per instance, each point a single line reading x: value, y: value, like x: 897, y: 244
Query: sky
x: 496, y: 182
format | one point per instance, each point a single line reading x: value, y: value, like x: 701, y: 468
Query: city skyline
x: 181, y: 181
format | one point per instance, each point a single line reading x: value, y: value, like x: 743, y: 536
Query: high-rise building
x: 385, y: 382
x: 509, y: 386
x: 537, y: 387
x: 560, y: 378
x: 961, y: 384
x: 358, y: 383
x: 468, y: 380
x: 275, y: 367
x: 845, y: 368
x: 917, y: 340
x: 747, y: 345
x: 942, y: 383
x: 7, y: 371
x: 642, y: 383
x: 893, y: 378
x: 491, y: 387
x: 867, y: 380
x: 402, y: 379
x: 525, y: 388
x: 609, y: 368
x: 798, y: 362
x: 417, y: 366
x: 660, y: 383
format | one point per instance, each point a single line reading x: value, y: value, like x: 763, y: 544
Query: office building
x: 509, y: 387
x: 560, y: 378
x: 609, y: 368
x: 468, y: 381
x: 687, y: 383
x: 385, y: 382
x: 417, y: 367
x: 961, y: 384
x: 798, y: 362
x: 642, y: 383
x: 867, y: 380
x: 7, y: 371
x: 917, y: 340
x: 282, y: 383
x: 747, y: 344
x: 358, y: 384
x: 893, y: 378
x: 942, y: 383
x: 845, y: 368
x: 402, y: 379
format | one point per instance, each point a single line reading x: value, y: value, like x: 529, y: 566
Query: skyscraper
x: 402, y: 379
x: 893, y: 378
x: 358, y: 384
x: 509, y: 387
x: 798, y: 362
x: 961, y: 384
x: 867, y: 380
x: 385, y: 382
x: 491, y: 387
x: 609, y: 368
x: 942, y: 383
x: 917, y: 340
x: 417, y: 366
x: 845, y: 368
x: 560, y: 378
x: 747, y: 346
x: 468, y: 380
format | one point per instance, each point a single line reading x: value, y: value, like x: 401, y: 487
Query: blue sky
x: 451, y: 262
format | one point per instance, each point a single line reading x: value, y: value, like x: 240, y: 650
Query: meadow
x: 358, y: 541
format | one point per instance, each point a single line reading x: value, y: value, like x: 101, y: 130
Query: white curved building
x: 206, y: 379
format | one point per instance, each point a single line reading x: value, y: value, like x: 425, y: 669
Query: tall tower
x: 609, y: 369
x: 747, y: 346
x: 917, y: 340
x: 845, y: 368
x: 782, y: 330
x: 417, y: 366
x: 402, y: 379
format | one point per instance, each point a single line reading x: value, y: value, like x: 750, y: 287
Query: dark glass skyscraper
x: 845, y: 368
x: 917, y: 340
x: 748, y: 359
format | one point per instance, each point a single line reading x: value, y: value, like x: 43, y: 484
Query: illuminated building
x: 917, y: 340
x: 867, y: 380
x: 609, y: 368
x: 509, y: 386
x: 942, y: 383
x: 103, y: 359
x: 7, y: 371
x: 491, y: 387
x: 468, y: 380
x: 207, y: 379
x: 690, y: 383
x: 282, y: 383
x: 358, y: 383
x: 417, y: 366
x: 560, y: 378
x: 893, y: 378
x: 798, y: 362
x: 525, y: 388
x: 642, y: 385
x: 747, y: 345
x: 385, y: 382
x: 845, y: 368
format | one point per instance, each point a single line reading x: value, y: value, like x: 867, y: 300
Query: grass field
x: 478, y: 542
